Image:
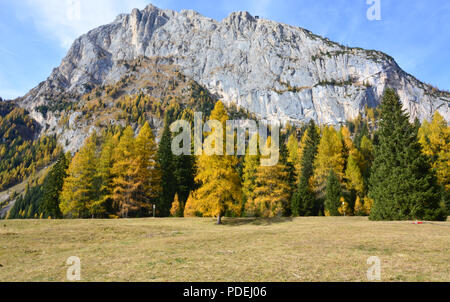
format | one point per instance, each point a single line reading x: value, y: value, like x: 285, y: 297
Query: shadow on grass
x: 255, y: 221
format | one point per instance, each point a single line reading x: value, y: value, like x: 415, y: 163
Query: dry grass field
x: 300, y: 249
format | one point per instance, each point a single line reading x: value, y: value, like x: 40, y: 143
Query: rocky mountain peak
x: 239, y: 17
x: 274, y: 70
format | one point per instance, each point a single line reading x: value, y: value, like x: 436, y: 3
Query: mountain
x: 273, y: 70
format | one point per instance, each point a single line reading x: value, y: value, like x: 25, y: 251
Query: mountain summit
x: 274, y: 70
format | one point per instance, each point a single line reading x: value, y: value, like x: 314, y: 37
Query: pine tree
x: 366, y: 148
x: 220, y: 189
x: 303, y: 200
x: 402, y: 184
x: 79, y: 189
x: 52, y: 187
x: 184, y: 173
x: 333, y: 195
x: 184, y: 169
x: 167, y: 166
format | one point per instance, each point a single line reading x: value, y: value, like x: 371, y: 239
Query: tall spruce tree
x: 402, y: 184
x: 333, y: 194
x: 366, y: 148
x: 167, y: 166
x: 303, y: 200
x: 185, y: 166
x: 52, y: 187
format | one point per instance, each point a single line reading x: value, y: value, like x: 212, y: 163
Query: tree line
x: 381, y: 166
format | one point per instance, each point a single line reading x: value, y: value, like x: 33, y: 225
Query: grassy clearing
x: 300, y: 249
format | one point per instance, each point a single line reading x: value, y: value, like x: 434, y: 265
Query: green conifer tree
x: 52, y: 187
x: 167, y: 166
x: 303, y: 200
x: 333, y: 194
x: 402, y: 184
x: 251, y: 164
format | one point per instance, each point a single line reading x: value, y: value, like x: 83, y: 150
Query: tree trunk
x: 219, y: 219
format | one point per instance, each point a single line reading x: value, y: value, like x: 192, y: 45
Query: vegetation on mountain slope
x: 21, y: 153
x: 338, y: 172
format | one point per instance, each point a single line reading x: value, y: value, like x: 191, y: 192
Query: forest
x: 20, y: 154
x: 379, y: 165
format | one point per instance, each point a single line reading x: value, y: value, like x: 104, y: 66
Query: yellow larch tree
x: 330, y: 155
x: 177, y: 209
x: 219, y: 189
x: 79, y: 190
x: 125, y: 170
x: 148, y: 173
x: 435, y: 140
x: 272, y: 192
x: 190, y: 208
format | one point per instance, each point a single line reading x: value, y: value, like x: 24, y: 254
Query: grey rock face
x: 277, y: 71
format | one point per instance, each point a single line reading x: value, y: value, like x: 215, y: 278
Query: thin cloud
x: 65, y: 20
x: 260, y: 7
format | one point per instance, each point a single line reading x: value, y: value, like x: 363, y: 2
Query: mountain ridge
x: 274, y: 70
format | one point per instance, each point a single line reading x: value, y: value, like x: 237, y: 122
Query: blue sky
x: 36, y: 34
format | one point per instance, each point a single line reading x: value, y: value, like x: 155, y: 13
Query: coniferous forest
x: 379, y: 165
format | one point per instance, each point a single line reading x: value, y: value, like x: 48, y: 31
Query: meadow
x: 195, y: 249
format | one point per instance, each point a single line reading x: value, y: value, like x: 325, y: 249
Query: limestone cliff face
x: 277, y: 71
